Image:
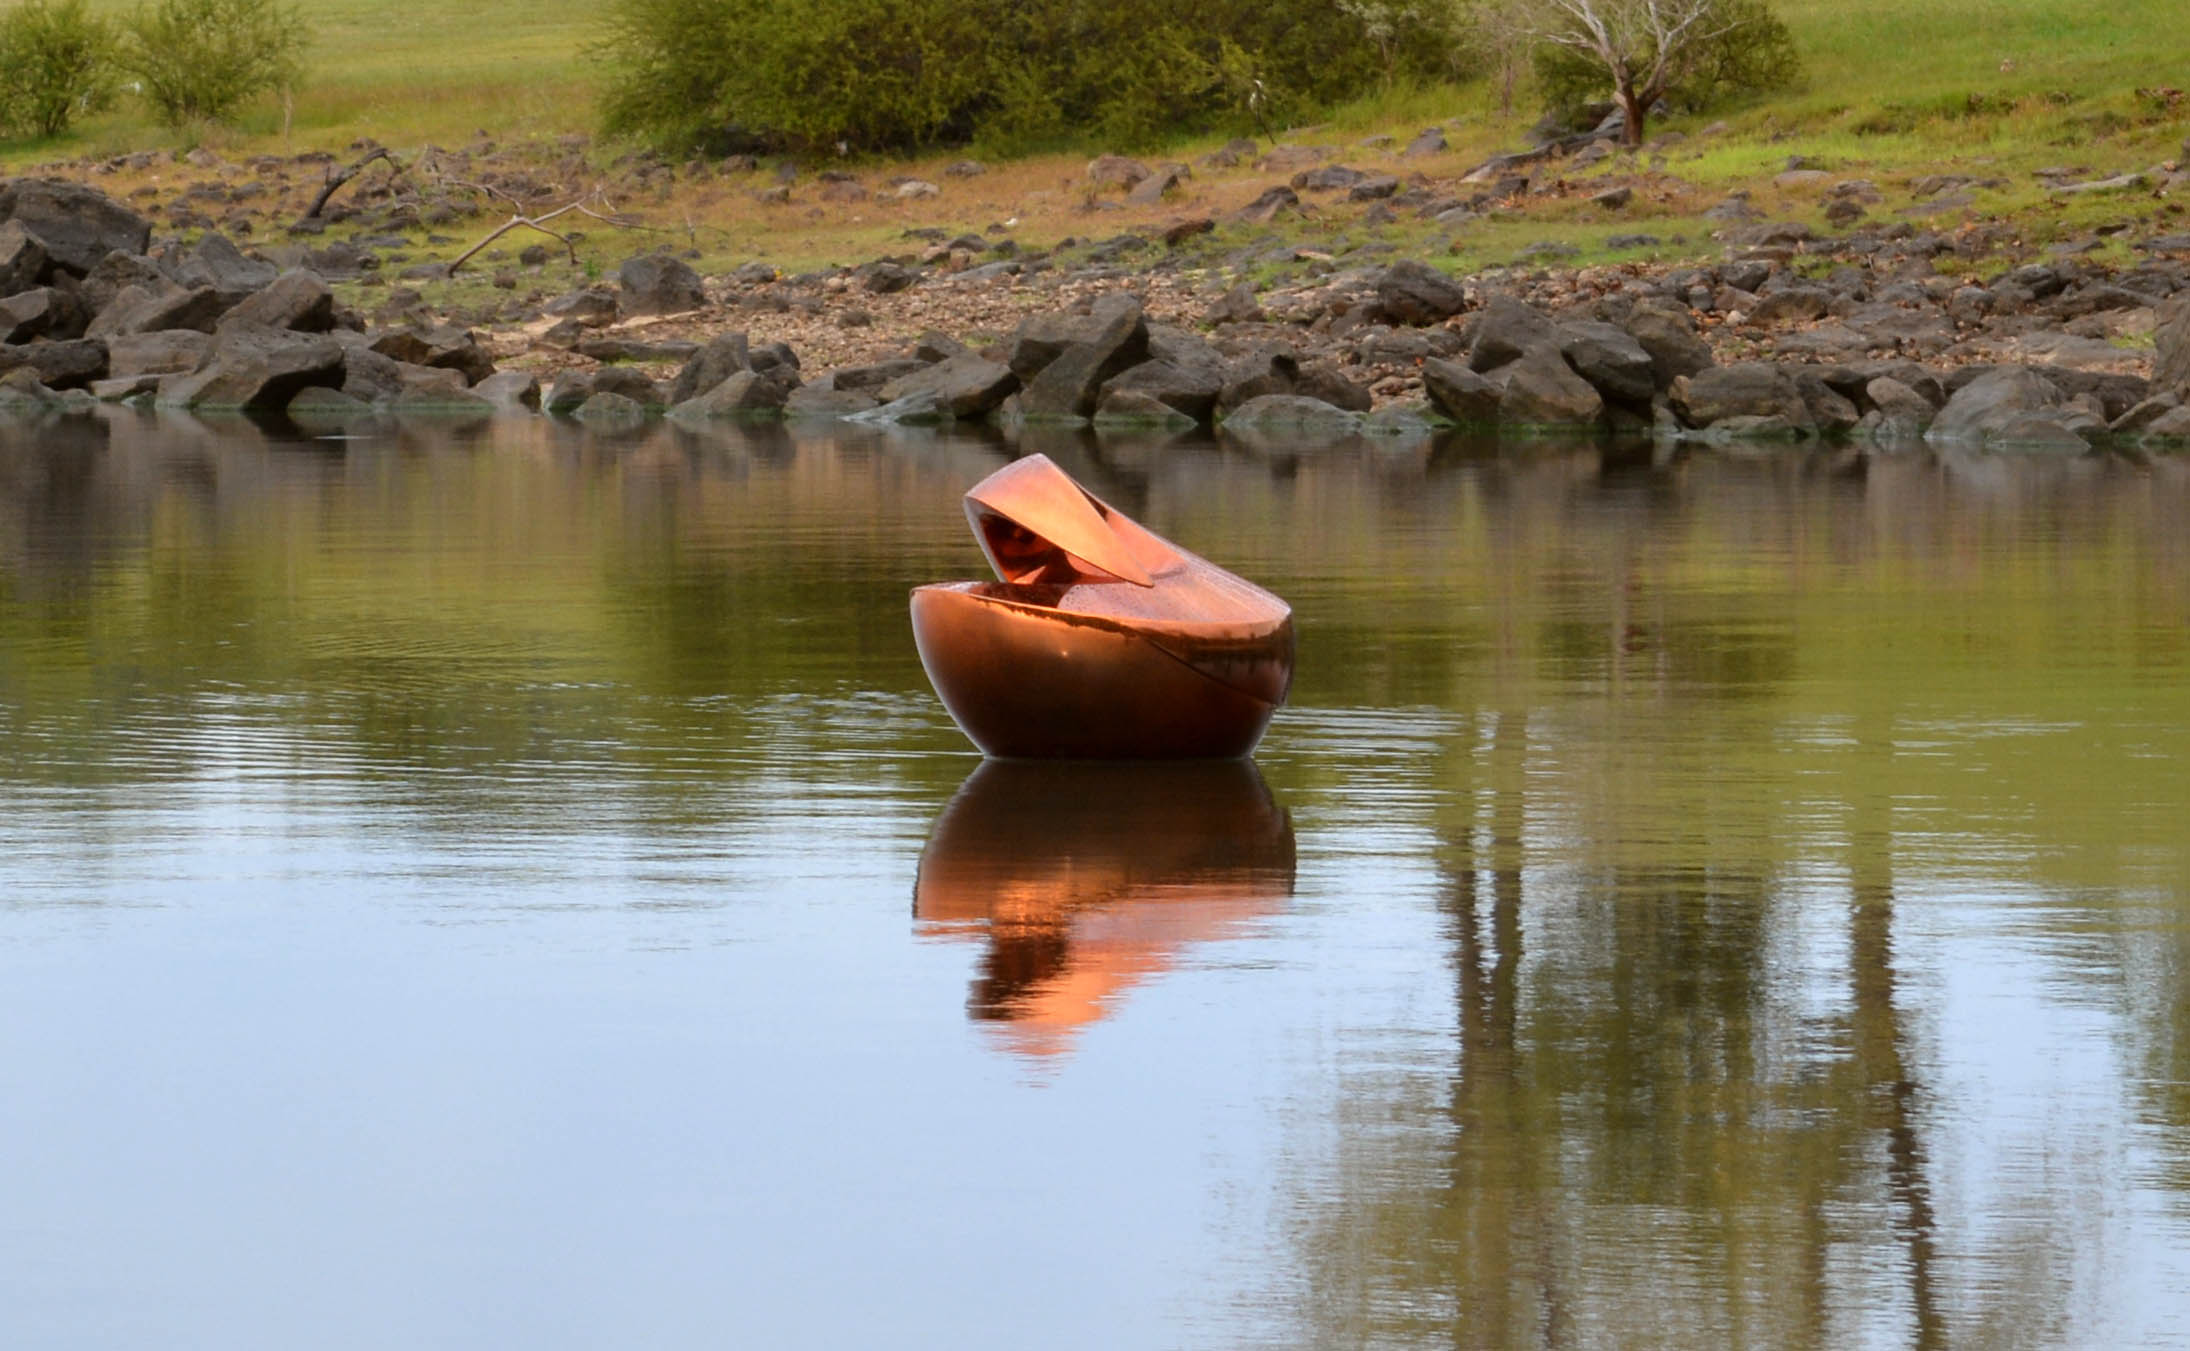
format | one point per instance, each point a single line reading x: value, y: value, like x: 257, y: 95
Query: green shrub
x: 1756, y: 55
x: 55, y: 62
x: 204, y: 59
x: 876, y: 75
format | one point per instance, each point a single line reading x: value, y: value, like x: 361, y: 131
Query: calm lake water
x: 513, y: 887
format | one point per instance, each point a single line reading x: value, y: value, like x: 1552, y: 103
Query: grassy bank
x: 1992, y: 89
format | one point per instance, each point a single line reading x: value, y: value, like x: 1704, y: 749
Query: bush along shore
x: 1875, y: 337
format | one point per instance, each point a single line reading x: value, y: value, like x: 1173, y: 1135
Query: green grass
x: 1894, y: 89
x: 406, y: 73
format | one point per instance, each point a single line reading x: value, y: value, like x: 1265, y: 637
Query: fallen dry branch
x: 539, y: 223
x: 378, y: 152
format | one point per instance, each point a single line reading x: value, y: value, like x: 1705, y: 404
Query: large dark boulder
x: 1508, y: 329
x: 1038, y: 340
x: 1610, y: 360
x: 631, y: 383
x: 1191, y: 390
x: 77, y: 225
x: 2171, y: 348
x: 294, y: 300
x: 1902, y: 412
x: 1540, y: 389
x: 1246, y: 378
x: 43, y: 312
x: 115, y: 273
x: 23, y: 261
x: 721, y: 358
x: 656, y: 283
x: 60, y: 365
x: 1184, y: 348
x: 1413, y: 292
x: 1068, y: 386
x: 167, y: 352
x: 213, y: 261
x: 1668, y: 334
x: 742, y: 394
x: 384, y: 382
x: 1746, y: 389
x: 163, y: 305
x: 778, y: 362
x: 965, y: 387
x: 1468, y: 398
x: 569, y: 392
x: 252, y: 367
x: 1324, y: 380
x: 2010, y: 404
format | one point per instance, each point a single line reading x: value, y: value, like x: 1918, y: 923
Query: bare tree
x: 1645, y: 46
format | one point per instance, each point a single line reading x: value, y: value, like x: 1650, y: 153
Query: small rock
x: 1156, y: 186
x: 724, y: 356
x: 656, y: 283
x: 1291, y: 412
x: 1431, y: 141
x: 886, y: 278
x: 1236, y: 306
x: 817, y: 401
x: 510, y: 390
x: 1115, y: 171
x: 1179, y: 231
x: 611, y: 410
x: 1413, y: 292
x: 1273, y: 203
x: 745, y: 395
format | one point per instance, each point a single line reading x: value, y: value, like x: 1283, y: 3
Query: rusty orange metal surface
x: 1085, y: 880
x: 1101, y: 640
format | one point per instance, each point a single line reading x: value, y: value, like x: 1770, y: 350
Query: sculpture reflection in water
x: 1087, y: 879
x: 1100, y: 640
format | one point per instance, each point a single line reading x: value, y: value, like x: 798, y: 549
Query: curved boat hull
x: 1030, y: 683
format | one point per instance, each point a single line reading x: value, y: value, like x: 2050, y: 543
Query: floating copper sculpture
x: 1087, y: 879
x: 1102, y: 641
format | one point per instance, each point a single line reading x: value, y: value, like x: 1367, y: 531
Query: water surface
x: 510, y: 886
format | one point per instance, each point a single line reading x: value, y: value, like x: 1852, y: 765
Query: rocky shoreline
x: 1879, y: 337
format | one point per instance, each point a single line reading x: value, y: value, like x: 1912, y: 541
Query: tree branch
x: 377, y: 152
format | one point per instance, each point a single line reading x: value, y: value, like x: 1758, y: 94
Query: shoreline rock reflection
x: 1086, y: 879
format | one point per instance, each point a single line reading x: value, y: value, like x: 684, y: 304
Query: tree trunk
x: 1631, y: 107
